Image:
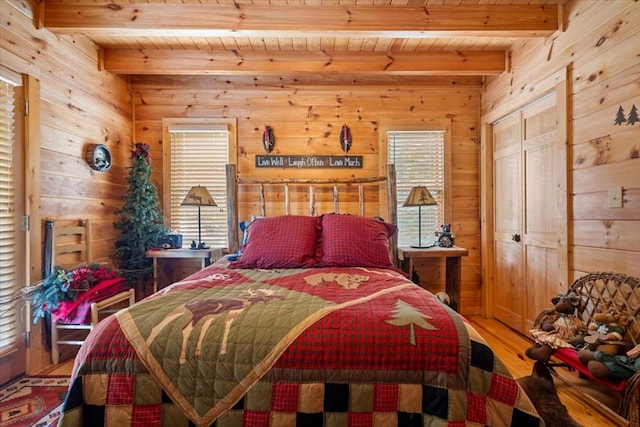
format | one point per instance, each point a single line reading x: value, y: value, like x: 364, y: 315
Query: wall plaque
x: 320, y: 162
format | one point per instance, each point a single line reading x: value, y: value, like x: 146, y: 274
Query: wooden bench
x: 599, y: 292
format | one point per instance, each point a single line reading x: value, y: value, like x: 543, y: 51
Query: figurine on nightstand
x: 445, y: 237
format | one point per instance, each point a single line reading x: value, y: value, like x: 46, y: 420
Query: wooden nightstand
x: 453, y: 266
x: 206, y: 257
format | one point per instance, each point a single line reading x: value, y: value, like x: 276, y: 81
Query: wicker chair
x: 599, y: 292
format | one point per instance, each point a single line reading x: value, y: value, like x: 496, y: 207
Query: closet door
x: 530, y: 211
x: 509, y: 290
x: 544, y: 232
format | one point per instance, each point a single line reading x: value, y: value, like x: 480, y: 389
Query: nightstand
x: 453, y: 270
x: 169, y: 256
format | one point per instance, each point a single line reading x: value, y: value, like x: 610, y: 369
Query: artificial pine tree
x: 140, y: 219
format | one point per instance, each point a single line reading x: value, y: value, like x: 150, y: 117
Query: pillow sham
x: 287, y: 241
x: 355, y: 241
x: 243, y: 242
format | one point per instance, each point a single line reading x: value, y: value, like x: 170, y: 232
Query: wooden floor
x: 578, y: 395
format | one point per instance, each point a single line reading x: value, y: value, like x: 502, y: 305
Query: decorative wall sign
x: 308, y: 162
x: 98, y: 157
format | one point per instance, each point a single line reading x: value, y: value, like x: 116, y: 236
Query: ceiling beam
x: 195, y: 62
x: 250, y: 20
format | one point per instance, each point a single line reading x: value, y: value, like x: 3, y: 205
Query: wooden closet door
x: 509, y: 290
x: 544, y: 231
x: 530, y: 211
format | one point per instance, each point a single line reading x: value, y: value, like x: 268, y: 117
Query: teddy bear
x: 609, y: 366
x: 605, y: 343
x: 559, y: 328
x: 607, y: 330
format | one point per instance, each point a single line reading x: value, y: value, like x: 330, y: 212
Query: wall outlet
x: 614, y: 199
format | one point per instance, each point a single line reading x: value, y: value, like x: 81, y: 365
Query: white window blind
x: 8, y: 262
x: 419, y: 160
x: 199, y: 154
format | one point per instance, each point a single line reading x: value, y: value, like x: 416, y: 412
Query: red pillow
x: 287, y: 241
x: 355, y: 241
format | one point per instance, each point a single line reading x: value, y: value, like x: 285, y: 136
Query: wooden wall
x: 600, y: 48
x: 306, y: 115
x: 77, y: 105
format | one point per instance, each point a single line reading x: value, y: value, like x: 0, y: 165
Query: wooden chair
x: 67, y: 247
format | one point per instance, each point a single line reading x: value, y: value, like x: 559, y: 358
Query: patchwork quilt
x: 322, y: 346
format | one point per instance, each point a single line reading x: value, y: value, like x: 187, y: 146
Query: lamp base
x: 421, y: 247
x: 201, y: 245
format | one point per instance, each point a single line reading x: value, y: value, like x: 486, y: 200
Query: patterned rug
x: 32, y: 401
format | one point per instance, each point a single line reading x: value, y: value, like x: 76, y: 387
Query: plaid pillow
x: 287, y: 241
x: 355, y: 241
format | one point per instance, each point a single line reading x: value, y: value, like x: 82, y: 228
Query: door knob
x: 515, y: 237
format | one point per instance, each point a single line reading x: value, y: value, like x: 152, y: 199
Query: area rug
x: 32, y: 401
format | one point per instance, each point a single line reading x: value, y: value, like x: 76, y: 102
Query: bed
x: 306, y: 326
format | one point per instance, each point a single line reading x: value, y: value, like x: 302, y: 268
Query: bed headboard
x: 288, y: 196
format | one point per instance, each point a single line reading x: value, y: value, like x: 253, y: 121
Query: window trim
x: 443, y: 124
x: 17, y: 357
x: 230, y: 124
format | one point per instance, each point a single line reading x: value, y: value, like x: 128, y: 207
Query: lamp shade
x: 198, y: 196
x: 420, y: 196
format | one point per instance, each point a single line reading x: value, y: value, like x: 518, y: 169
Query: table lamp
x: 198, y: 196
x: 420, y: 196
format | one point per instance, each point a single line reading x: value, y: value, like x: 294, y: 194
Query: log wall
x: 306, y: 118
x: 76, y: 106
x: 600, y: 48
x: 80, y: 105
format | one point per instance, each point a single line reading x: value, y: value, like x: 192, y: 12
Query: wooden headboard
x: 295, y: 196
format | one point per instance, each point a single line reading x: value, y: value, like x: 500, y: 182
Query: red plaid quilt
x: 322, y: 346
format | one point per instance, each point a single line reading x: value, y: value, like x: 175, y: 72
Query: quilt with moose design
x: 321, y: 346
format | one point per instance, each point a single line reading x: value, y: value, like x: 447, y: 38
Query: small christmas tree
x: 140, y: 219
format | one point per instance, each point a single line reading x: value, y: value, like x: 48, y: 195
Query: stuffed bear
x: 609, y: 366
x: 607, y: 331
x: 604, y: 345
x: 559, y: 328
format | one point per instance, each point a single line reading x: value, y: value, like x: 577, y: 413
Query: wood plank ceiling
x: 304, y: 37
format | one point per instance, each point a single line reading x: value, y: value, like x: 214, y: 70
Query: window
x: 420, y: 158
x: 198, y: 154
x: 9, y: 211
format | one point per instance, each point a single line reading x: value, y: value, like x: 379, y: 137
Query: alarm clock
x: 445, y: 237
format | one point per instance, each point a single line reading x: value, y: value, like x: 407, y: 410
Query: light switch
x: 614, y: 199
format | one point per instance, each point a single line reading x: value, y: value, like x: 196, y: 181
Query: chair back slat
x: 610, y: 291
x: 70, y: 245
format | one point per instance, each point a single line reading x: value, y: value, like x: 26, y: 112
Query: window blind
x: 419, y: 160
x: 199, y: 154
x: 8, y: 262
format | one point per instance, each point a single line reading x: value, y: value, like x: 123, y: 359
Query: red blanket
x: 79, y: 311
